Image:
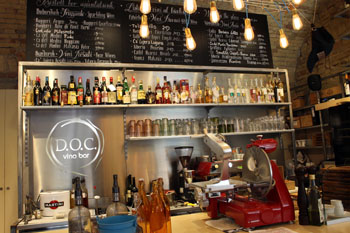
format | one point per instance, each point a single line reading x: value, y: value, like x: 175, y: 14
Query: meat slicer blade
x: 257, y: 172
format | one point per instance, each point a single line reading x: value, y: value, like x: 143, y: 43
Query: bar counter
x: 192, y: 223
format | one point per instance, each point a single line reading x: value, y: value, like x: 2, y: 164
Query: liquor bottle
x: 252, y: 92
x: 270, y: 89
x: 72, y: 92
x: 46, y: 93
x: 116, y: 208
x: 264, y: 95
x: 141, y: 95
x: 144, y: 211
x: 347, y: 85
x: 246, y: 92
x: 200, y: 98
x: 275, y: 87
x: 184, y: 95
x: 133, y: 91
x: 193, y: 95
x: 166, y: 92
x: 119, y: 91
x: 315, y: 208
x: 208, y: 93
x: 166, y: 205
x: 159, y: 93
x: 134, y: 189
x: 224, y: 96
x: 97, y: 92
x: 80, y: 91
x: 280, y: 90
x: 231, y: 93
x: 37, y: 92
x: 111, y: 92
x: 28, y: 93
x: 85, y: 193
x: 129, y: 197
x: 238, y: 90
x: 79, y: 219
x: 175, y: 95
x: 216, y: 91
x: 88, y: 94
x: 126, y: 98
x: 55, y: 93
x: 125, y: 85
x: 64, y: 95
x: 258, y: 91
x: 104, y: 93
x: 150, y: 96
x: 157, y: 217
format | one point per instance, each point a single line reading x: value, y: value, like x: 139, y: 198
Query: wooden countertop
x: 193, y: 223
x: 196, y: 223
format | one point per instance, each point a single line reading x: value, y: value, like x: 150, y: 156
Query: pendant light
x: 190, y: 42
x: 283, y: 39
x: 297, y: 2
x: 145, y: 6
x: 144, y: 30
x: 297, y: 23
x: 238, y: 4
x: 248, y: 30
x: 214, y: 13
x: 190, y: 6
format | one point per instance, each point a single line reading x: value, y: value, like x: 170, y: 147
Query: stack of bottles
x: 173, y: 127
x: 240, y: 91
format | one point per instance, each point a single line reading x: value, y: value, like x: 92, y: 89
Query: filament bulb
x: 248, y: 30
x: 144, y: 30
x: 145, y: 6
x: 190, y: 6
x: 238, y: 4
x: 283, y: 39
x: 297, y: 2
x: 214, y: 13
x: 190, y: 42
x: 297, y: 23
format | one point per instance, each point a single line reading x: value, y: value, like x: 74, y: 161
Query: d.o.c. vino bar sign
x: 108, y: 31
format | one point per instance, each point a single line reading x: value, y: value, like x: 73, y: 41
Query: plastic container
x: 117, y: 224
x: 54, y: 202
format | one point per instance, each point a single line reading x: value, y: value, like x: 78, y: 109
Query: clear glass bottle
x: 264, y: 95
x: 144, y: 210
x: 157, y: 217
x: 79, y: 219
x: 175, y: 96
x: 231, y: 93
x: 166, y: 205
x: 208, y: 93
x: 199, y: 97
x: 133, y: 91
x: 111, y: 92
x: 28, y: 93
x: 238, y: 90
x: 216, y: 91
x: 184, y: 95
x: 193, y: 95
x: 252, y: 92
x: 116, y: 208
x: 159, y: 93
x: 280, y: 90
x: 166, y: 92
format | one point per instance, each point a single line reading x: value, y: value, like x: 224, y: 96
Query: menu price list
x: 73, y: 31
x: 166, y: 43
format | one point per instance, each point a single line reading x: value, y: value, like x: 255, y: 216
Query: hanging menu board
x: 108, y: 31
x: 73, y: 31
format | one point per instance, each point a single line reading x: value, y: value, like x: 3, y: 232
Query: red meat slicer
x: 268, y: 202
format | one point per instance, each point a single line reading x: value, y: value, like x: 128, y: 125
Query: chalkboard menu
x: 73, y: 31
x: 108, y: 31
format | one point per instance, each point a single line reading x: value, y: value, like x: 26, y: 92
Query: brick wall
x: 339, y: 58
x: 13, y: 33
x: 12, y: 40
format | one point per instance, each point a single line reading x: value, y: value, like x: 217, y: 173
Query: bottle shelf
x: 154, y: 106
x: 202, y: 135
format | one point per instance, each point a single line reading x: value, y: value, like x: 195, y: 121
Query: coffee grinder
x: 185, y: 175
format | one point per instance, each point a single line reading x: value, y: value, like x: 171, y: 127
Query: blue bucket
x: 117, y: 224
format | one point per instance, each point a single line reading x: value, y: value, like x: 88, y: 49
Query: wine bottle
x: 116, y: 208
x: 28, y: 93
x: 88, y: 94
x: 79, y: 219
x: 64, y: 95
x: 159, y: 93
x: 111, y: 92
x: 166, y: 92
x: 347, y: 85
x: 104, y: 94
x: 315, y: 208
x: 97, y: 92
x: 46, y: 93
x: 80, y: 91
x: 72, y: 92
x: 37, y: 92
x: 55, y: 93
x: 302, y: 198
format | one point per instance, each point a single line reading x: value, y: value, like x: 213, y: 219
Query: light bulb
x: 283, y: 39
x: 214, y: 13
x: 238, y: 4
x: 190, y: 42
x: 248, y: 30
x: 145, y: 7
x: 297, y: 23
x: 297, y: 2
x: 144, y: 30
x: 190, y: 6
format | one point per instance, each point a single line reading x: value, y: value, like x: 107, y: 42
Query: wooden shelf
x: 202, y: 135
x: 66, y: 107
x: 312, y: 147
x: 311, y: 127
